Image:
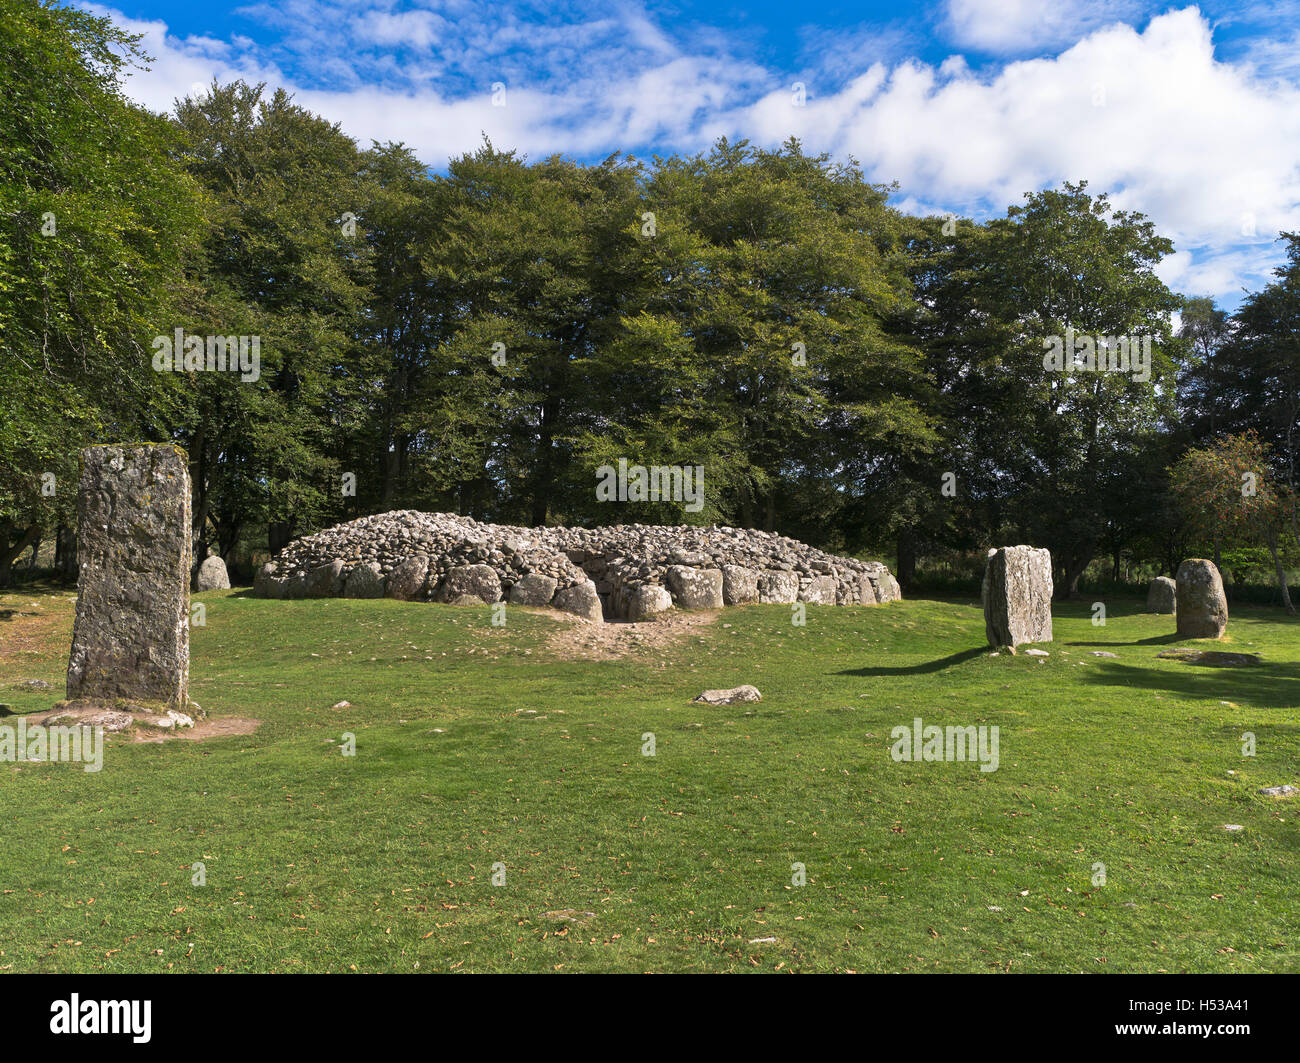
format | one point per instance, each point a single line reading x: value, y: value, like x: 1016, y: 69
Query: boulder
x: 581, y: 600
x: 1162, y: 595
x: 739, y: 585
x: 364, y: 581
x: 1017, y: 596
x: 325, y: 581
x: 533, y: 589
x: 409, y: 580
x: 1202, y: 607
x: 646, y: 600
x: 212, y: 575
x: 780, y: 588
x: 695, y: 588
x: 475, y: 581
x: 730, y: 697
x: 820, y: 591
x: 888, y: 590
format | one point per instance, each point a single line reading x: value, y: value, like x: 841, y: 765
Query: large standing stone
x: 695, y: 588
x: 131, y: 637
x: 1162, y: 595
x: 212, y: 575
x: 1017, y: 595
x: 1202, y: 605
x: 888, y: 590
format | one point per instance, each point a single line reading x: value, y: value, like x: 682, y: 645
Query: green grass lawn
x: 475, y: 746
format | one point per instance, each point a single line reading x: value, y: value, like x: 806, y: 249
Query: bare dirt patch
x: 580, y: 639
x: 201, y: 731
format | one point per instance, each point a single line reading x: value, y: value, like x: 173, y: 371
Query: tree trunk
x: 10, y: 547
x: 906, y: 558
x: 1281, y: 573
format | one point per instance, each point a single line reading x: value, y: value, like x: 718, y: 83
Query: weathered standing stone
x: 1017, y: 596
x: 1162, y: 595
x: 866, y: 591
x: 582, y: 600
x: 408, y: 580
x: 212, y: 575
x: 1202, y: 606
x: 535, y: 588
x: 647, y: 600
x: 476, y: 581
x: 695, y: 588
x: 131, y: 638
x: 780, y: 588
x: 739, y: 585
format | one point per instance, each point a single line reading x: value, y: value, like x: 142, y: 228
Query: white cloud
x: 1016, y: 26
x: 1205, y: 147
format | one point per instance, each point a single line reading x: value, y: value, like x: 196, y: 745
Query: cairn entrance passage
x: 624, y: 572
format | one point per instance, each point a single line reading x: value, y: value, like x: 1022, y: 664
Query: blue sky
x: 1190, y: 114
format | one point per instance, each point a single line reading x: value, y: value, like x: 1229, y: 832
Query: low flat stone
x: 730, y: 697
x: 1285, y: 790
x: 1037, y: 653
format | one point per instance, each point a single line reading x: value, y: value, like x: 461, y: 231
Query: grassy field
x: 479, y: 746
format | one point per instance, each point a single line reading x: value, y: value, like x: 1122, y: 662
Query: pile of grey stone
x: 628, y: 571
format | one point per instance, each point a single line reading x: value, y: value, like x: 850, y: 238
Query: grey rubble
x: 614, y: 563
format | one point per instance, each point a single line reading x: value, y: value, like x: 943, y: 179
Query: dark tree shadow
x: 921, y: 669
x: 1154, y: 640
x: 1271, y: 686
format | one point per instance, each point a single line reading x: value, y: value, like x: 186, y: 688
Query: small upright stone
x: 1162, y: 595
x: 212, y: 575
x: 1202, y: 605
x: 1017, y: 596
x: 131, y: 637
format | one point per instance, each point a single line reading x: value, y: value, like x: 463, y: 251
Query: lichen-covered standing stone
x: 1162, y: 595
x: 1202, y: 605
x: 131, y: 637
x: 1017, y: 596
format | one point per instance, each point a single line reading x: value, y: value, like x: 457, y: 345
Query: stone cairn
x: 1202, y: 607
x: 131, y: 637
x: 1017, y: 596
x: 630, y: 571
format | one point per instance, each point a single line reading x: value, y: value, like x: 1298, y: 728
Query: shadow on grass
x: 921, y: 669
x: 1268, y: 686
x: 1154, y: 640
